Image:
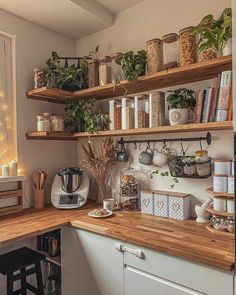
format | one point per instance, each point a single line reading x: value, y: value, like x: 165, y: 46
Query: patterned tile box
x: 179, y: 206
x: 147, y: 202
x: 161, y: 204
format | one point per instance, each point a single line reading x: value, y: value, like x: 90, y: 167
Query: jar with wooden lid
x: 93, y: 69
x: 116, y: 72
x: 219, y: 203
x: 157, y: 109
x: 105, y: 70
x: 220, y: 183
x: 171, y: 50
x: 187, y: 47
x: 222, y: 166
x: 117, y: 115
x: 154, y: 55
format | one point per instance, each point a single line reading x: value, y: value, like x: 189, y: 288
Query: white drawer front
x: 191, y: 275
x: 140, y: 283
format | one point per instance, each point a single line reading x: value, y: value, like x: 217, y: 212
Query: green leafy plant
x: 213, y: 34
x: 69, y: 78
x: 181, y: 98
x: 96, y: 122
x: 133, y: 65
x: 76, y: 112
x: 162, y: 174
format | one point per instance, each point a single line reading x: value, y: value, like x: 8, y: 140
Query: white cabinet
x: 90, y: 264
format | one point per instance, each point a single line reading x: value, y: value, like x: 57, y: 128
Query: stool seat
x: 17, y: 265
x: 16, y: 259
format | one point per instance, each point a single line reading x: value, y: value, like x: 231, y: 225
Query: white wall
x: 33, y: 46
x: 132, y: 28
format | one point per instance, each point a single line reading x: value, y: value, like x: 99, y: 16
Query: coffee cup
x: 122, y: 155
x: 159, y: 159
x: 109, y: 204
x: 146, y: 157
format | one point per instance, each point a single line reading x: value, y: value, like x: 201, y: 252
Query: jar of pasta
x: 187, y: 47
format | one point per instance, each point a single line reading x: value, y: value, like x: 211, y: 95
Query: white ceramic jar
x: 231, y: 184
x: 232, y: 168
x: 222, y: 166
x: 220, y: 183
x: 219, y: 203
x: 230, y: 205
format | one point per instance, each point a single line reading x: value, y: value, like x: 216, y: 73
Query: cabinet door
x: 91, y: 265
x: 139, y: 283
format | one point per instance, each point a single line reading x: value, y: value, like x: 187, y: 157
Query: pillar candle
x: 5, y: 170
x: 13, y: 168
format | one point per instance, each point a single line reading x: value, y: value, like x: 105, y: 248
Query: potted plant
x: 133, y: 65
x: 180, y: 101
x: 215, y: 35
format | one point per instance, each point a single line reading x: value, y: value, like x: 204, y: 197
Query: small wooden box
x: 179, y: 206
x: 147, y: 202
x: 161, y: 204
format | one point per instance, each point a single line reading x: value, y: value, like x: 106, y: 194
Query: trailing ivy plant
x: 213, y: 34
x: 181, y: 98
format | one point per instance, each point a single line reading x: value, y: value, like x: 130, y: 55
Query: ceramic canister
x: 220, y: 183
x: 230, y: 204
x: 219, y: 203
x: 231, y: 184
x: 222, y: 166
x: 232, y: 168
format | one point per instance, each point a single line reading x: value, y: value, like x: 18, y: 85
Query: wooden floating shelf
x: 211, y: 126
x: 177, y: 76
x: 209, y: 209
x: 211, y: 192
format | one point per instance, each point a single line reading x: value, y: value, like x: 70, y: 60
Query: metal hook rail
x: 207, y: 138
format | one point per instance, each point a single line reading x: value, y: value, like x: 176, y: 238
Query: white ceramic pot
x: 219, y: 203
x: 227, y: 50
x: 178, y: 116
x: 159, y: 159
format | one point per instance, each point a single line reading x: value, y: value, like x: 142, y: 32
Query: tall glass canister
x: 154, y: 55
x: 171, y: 50
x: 187, y: 47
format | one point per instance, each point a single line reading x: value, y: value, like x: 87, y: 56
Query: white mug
x: 109, y: 204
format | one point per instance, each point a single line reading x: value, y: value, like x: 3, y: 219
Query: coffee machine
x: 70, y: 188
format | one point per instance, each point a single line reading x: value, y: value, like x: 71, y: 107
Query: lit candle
x: 5, y: 170
x: 13, y: 168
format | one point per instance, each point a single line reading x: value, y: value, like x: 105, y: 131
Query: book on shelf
x: 214, y: 99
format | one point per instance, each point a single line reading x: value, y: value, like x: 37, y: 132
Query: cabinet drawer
x: 139, y: 283
x: 191, y: 275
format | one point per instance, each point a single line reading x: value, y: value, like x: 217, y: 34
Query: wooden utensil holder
x: 16, y: 193
x: 38, y: 198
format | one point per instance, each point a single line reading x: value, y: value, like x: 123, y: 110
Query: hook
x: 182, y: 147
x: 78, y: 65
x: 66, y: 63
x: 200, y: 143
x: 135, y: 145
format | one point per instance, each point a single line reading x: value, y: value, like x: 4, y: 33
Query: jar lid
x: 40, y: 117
x: 222, y: 160
x: 220, y: 197
x: 155, y: 40
x: 201, y: 153
x: 220, y: 175
x: 185, y: 30
x: 170, y: 38
x: 116, y: 55
x: 105, y: 59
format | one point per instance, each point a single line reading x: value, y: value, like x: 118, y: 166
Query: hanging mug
x: 159, y: 158
x: 122, y: 155
x: 146, y: 157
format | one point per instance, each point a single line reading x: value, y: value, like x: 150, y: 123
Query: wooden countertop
x: 184, y: 239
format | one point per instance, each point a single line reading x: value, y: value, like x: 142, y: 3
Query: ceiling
x: 73, y: 18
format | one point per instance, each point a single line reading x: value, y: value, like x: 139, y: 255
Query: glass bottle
x: 171, y: 50
x: 105, y: 70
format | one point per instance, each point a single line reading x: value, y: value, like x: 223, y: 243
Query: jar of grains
x: 57, y: 123
x: 93, y: 69
x: 187, y: 47
x: 206, y: 55
x: 43, y: 123
x: 154, y: 55
x: 38, y: 78
x: 116, y: 72
x: 105, y: 70
x: 171, y: 50
x: 157, y: 109
x: 117, y: 116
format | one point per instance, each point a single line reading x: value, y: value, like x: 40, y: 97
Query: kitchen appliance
x: 70, y: 188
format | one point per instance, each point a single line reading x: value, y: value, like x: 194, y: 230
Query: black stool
x: 19, y: 260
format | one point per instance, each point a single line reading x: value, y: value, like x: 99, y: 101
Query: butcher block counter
x: 184, y: 239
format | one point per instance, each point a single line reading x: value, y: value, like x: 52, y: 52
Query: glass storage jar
x: 39, y: 80
x: 57, y: 123
x: 43, y: 123
x: 142, y: 112
x: 171, y: 50
x: 129, y: 189
x: 117, y: 116
x: 203, y: 163
x: 154, y: 55
x: 116, y: 71
x: 105, y: 70
x: 187, y: 47
x: 93, y: 69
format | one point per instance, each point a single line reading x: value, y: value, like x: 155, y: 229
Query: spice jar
x: 105, y: 70
x: 171, y: 50
x: 157, y: 109
x: 116, y: 72
x: 93, y: 69
x: 154, y: 55
x: 129, y: 189
x: 43, y: 123
x: 57, y: 123
x: 187, y: 46
x: 38, y: 78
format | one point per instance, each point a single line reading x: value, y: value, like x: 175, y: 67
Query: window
x: 7, y: 99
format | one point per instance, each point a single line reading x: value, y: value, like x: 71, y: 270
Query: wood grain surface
x: 184, y: 239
